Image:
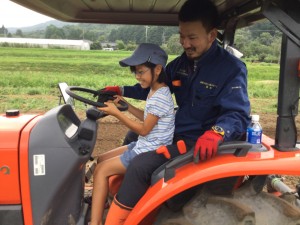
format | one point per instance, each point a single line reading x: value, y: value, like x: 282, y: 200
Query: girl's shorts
x: 128, y: 155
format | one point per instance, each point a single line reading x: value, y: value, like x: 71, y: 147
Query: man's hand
x: 207, y: 145
x: 115, y: 89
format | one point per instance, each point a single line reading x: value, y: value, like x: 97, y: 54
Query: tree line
x: 259, y: 42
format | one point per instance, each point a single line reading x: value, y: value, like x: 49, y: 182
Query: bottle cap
x: 255, y: 118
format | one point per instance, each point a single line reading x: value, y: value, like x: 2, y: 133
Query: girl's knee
x: 99, y: 170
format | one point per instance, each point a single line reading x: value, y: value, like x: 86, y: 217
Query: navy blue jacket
x: 212, y: 92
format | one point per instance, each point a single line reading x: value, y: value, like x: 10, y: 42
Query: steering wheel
x: 103, y: 96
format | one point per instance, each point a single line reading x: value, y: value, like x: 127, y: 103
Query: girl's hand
x: 111, y: 108
x: 119, y: 98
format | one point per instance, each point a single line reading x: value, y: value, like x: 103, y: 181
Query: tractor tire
x: 244, y: 207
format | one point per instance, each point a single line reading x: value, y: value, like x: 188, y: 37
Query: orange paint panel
x: 10, y: 130
x: 24, y: 173
x: 9, y: 177
x: 258, y: 163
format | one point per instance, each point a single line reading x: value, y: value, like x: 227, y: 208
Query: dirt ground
x: 111, y: 133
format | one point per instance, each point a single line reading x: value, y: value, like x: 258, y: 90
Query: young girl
x: 156, y: 129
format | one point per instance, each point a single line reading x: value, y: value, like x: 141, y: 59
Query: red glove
x: 207, y: 145
x: 116, y: 89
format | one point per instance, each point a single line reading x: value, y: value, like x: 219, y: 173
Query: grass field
x: 29, y: 77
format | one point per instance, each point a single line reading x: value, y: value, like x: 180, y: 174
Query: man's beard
x: 189, y: 52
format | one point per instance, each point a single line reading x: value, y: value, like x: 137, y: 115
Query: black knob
x: 12, y: 112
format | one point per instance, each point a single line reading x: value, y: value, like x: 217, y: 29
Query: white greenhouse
x: 49, y: 43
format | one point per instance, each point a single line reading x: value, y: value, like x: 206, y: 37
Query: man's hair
x: 200, y: 10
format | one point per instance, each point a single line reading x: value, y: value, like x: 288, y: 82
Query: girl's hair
x: 162, y: 78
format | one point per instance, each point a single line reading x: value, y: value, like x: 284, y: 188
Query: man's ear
x: 213, y: 35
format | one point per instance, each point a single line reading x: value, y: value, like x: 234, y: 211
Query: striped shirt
x: 159, y: 104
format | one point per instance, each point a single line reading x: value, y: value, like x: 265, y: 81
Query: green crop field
x: 29, y: 77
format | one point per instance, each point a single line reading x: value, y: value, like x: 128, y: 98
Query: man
x: 210, y: 87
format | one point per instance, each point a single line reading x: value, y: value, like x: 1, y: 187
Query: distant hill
x: 62, y: 30
x: 40, y: 26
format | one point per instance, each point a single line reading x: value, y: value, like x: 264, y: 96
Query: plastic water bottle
x: 254, y: 132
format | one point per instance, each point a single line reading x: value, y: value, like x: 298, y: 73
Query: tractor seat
x: 237, y: 148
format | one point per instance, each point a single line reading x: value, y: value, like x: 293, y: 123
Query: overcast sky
x: 14, y: 15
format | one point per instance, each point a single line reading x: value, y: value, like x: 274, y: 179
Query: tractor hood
x: 11, y: 126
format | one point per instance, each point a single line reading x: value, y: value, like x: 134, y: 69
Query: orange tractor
x: 43, y: 157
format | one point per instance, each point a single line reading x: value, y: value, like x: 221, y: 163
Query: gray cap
x: 146, y: 52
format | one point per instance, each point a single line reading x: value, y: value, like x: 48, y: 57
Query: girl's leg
x: 112, y: 153
x: 102, y: 172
